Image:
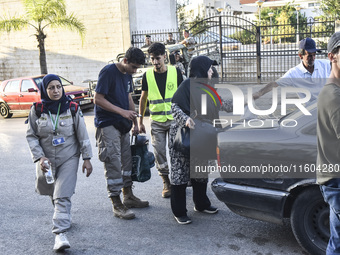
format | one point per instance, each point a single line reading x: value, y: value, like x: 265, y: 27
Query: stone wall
x: 108, y: 33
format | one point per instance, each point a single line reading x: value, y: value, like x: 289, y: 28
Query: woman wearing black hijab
x: 57, y: 137
x: 186, y: 107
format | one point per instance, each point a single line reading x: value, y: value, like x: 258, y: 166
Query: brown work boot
x: 130, y: 201
x: 120, y: 210
x: 166, y: 186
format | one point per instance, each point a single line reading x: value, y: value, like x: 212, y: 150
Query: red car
x: 17, y: 95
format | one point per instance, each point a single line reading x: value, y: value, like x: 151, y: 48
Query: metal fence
x: 247, y: 52
x: 138, y: 37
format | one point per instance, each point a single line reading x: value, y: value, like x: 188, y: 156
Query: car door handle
x: 21, y: 95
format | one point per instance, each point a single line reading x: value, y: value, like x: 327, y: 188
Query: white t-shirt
x: 299, y: 77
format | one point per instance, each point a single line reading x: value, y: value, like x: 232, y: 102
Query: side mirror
x: 32, y: 90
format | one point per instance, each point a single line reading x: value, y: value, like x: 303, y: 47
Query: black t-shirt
x: 116, y: 87
x: 161, y: 81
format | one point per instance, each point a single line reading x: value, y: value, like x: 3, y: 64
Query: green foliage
x: 283, y: 25
x: 244, y: 36
x: 198, y: 25
x: 330, y: 8
x: 181, y: 17
x: 16, y: 23
x: 285, y: 30
x: 289, y: 11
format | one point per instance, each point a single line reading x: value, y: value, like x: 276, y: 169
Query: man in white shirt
x: 310, y: 74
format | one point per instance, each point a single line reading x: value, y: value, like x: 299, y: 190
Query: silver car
x: 271, y: 175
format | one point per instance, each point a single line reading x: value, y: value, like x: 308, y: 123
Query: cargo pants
x: 114, y: 151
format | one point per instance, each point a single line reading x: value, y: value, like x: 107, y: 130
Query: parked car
x: 280, y: 194
x: 17, y: 95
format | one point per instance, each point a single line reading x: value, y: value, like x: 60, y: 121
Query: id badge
x: 58, y: 140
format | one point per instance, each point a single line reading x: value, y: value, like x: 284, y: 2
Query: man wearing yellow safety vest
x: 159, y: 84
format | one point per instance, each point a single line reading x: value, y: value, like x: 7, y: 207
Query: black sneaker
x: 183, y: 220
x: 210, y: 209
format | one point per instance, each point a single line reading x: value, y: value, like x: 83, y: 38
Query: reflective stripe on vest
x: 160, y: 109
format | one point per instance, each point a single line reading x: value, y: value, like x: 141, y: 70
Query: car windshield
x: 65, y: 82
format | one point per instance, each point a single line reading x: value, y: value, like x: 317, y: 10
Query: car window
x: 38, y: 81
x: 26, y: 84
x: 12, y: 86
x: 64, y: 82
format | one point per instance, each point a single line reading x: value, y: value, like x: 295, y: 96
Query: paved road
x: 25, y: 217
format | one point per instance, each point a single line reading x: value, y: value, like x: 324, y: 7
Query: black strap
x: 38, y: 109
x: 73, y: 108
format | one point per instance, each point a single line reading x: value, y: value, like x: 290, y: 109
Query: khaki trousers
x: 159, y: 136
x: 114, y: 150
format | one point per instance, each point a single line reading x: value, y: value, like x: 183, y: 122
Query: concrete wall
x: 108, y: 33
x: 152, y: 15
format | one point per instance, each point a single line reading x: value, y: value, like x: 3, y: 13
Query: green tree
x: 245, y: 36
x: 330, y: 8
x: 288, y: 8
x: 198, y: 25
x: 181, y: 17
x: 41, y: 14
x: 284, y: 21
x: 285, y: 30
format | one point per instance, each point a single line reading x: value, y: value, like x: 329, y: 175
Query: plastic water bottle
x: 49, y: 174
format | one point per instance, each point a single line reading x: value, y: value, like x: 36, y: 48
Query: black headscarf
x: 188, y: 94
x: 199, y: 67
x: 52, y: 105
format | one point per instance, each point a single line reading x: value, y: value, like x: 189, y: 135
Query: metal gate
x: 251, y: 53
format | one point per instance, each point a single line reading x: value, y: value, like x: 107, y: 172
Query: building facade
x: 152, y: 15
x: 108, y: 24
x: 310, y: 8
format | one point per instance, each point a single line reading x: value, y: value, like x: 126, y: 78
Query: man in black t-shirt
x: 158, y: 86
x: 114, y: 116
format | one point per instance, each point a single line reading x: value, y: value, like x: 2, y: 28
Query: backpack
x: 142, y: 159
x: 39, y: 108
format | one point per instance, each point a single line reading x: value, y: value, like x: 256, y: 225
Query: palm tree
x: 41, y: 14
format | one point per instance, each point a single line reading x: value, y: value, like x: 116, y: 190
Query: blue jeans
x: 331, y: 193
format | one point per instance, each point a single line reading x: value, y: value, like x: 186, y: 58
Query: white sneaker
x: 61, y: 242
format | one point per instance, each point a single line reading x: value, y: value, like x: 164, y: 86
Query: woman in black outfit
x: 186, y: 108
